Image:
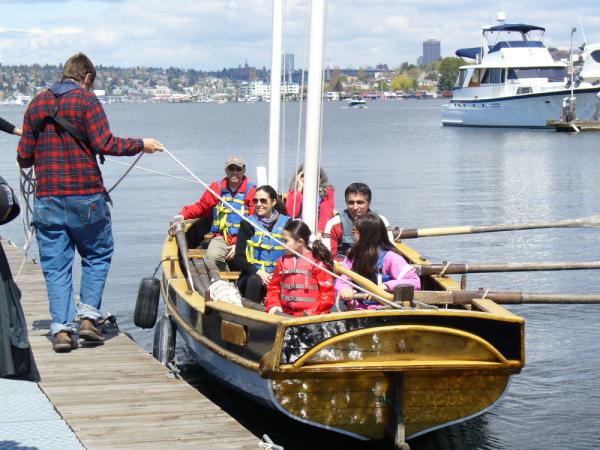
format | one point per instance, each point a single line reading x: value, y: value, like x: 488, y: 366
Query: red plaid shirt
x: 64, y: 166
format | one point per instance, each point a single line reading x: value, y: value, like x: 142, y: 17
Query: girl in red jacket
x: 298, y: 287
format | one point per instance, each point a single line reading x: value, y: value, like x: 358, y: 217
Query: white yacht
x: 515, y: 82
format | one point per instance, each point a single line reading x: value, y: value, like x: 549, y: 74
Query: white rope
x: 125, y: 174
x: 273, y: 238
x: 27, y: 192
x: 156, y: 172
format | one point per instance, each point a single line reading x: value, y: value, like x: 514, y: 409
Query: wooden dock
x: 117, y: 396
x: 575, y: 125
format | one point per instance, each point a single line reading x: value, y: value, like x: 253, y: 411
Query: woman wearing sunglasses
x: 256, y: 254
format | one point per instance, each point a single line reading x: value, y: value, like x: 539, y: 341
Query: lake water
x: 422, y: 175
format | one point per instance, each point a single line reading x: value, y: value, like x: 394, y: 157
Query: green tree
x: 448, y: 72
x: 402, y: 83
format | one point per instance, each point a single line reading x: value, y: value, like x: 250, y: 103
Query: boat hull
x: 527, y: 111
x: 359, y: 373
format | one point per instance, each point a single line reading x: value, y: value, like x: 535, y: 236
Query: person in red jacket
x: 293, y: 201
x: 298, y: 287
x: 238, y: 192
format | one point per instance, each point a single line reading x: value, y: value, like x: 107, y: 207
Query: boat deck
x: 115, y: 396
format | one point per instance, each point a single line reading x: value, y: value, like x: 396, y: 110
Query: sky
x: 212, y: 34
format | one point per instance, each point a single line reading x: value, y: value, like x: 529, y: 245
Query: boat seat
x: 200, y: 253
x: 197, y: 253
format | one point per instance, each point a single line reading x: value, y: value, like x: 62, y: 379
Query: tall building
x: 287, y: 65
x: 431, y: 51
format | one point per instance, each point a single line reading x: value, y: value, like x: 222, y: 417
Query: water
x: 422, y: 175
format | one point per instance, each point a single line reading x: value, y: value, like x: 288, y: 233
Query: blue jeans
x: 63, y: 224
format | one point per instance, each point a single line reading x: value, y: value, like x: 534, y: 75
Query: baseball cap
x: 235, y: 160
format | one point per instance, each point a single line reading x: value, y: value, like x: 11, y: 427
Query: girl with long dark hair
x: 374, y: 257
x: 256, y: 254
x: 298, y: 287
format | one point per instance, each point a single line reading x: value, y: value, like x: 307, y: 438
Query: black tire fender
x: 164, y: 340
x: 146, y: 305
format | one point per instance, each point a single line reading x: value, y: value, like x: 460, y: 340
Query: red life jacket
x: 299, y: 289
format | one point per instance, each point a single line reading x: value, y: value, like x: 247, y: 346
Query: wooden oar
x: 456, y: 268
x: 409, y: 233
x: 385, y: 297
x: 459, y: 297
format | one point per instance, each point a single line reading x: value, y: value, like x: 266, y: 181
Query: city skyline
x: 210, y: 35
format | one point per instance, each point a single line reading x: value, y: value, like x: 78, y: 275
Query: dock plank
x: 117, y: 395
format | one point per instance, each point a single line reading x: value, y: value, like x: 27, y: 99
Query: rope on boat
x: 278, y: 241
x: 27, y: 192
x: 268, y: 444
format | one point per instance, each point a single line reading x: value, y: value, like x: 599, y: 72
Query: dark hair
x: 272, y: 193
x: 323, y: 181
x: 358, y: 188
x: 77, y: 67
x: 299, y: 229
x: 373, y: 238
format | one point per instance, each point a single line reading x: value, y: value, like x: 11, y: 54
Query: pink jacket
x: 395, y: 266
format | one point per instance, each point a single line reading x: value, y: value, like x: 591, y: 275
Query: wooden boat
x: 372, y: 374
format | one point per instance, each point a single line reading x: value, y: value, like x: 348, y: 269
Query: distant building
x: 263, y: 90
x: 431, y: 51
x: 287, y: 65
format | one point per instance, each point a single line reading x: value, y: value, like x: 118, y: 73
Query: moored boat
x: 363, y: 373
x: 357, y: 103
x: 514, y: 82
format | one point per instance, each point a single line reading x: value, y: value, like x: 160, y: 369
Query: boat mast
x: 275, y: 105
x: 312, y: 147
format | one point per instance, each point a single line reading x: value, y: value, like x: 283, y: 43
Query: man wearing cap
x: 234, y: 189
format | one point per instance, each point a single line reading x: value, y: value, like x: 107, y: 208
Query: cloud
x: 211, y: 34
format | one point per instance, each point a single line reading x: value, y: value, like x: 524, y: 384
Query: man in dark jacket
x: 64, y: 129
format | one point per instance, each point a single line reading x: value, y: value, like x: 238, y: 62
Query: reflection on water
x: 293, y: 435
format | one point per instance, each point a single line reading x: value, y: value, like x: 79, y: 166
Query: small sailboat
x: 423, y: 361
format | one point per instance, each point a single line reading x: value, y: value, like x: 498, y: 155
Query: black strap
x: 68, y: 127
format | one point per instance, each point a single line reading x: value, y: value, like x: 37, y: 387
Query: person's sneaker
x: 89, y: 332
x: 63, y: 343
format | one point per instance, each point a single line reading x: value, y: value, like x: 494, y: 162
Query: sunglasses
x: 262, y: 201
x: 235, y: 169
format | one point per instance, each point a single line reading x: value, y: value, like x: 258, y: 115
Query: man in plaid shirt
x: 64, y: 129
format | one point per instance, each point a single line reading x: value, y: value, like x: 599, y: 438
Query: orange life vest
x: 299, y: 289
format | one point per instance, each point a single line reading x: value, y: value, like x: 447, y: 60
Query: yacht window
x: 474, y: 81
x: 550, y: 73
x: 462, y: 74
x: 492, y: 76
x: 595, y: 55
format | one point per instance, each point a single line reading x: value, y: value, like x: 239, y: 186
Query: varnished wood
x: 117, y: 396
x: 234, y: 333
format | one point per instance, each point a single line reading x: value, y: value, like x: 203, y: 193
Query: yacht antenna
x: 501, y: 17
x: 582, y: 31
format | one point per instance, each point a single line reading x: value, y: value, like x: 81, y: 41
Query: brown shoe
x: 89, y: 332
x: 63, y: 343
